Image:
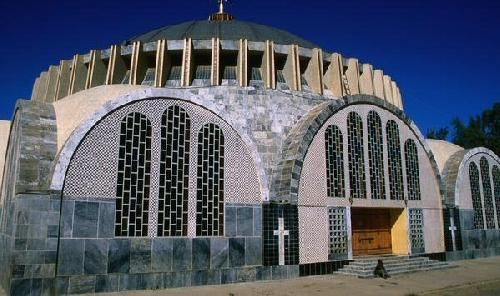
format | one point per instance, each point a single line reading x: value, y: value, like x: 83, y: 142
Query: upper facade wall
x: 442, y: 151
x: 185, y: 63
x: 313, y: 181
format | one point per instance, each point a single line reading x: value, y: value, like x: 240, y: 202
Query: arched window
x: 210, y: 182
x: 477, y: 204
x: 334, y: 161
x: 355, y: 152
x: 412, y: 170
x: 376, y: 155
x: 395, y: 163
x: 487, y: 194
x: 133, y: 184
x: 496, y: 184
x: 174, y: 173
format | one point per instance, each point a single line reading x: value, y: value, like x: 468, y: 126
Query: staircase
x: 363, y: 267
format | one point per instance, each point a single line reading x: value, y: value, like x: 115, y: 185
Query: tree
x: 437, y: 134
x: 482, y: 131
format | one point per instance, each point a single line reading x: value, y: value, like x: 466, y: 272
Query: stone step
x: 370, y: 275
x: 363, y: 268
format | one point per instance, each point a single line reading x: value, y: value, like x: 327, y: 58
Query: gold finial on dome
x: 221, y: 16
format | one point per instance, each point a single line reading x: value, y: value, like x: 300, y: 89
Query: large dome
x: 228, y: 30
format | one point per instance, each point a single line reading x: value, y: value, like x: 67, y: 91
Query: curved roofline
x: 205, y: 29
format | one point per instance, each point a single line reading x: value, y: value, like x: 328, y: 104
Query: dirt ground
x: 468, y: 278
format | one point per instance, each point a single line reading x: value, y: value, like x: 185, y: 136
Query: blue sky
x: 445, y: 55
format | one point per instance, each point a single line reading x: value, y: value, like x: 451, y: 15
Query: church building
x: 223, y: 151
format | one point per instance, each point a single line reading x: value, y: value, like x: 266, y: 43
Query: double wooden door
x: 371, y: 231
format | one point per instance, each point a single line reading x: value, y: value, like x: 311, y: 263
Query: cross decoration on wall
x: 281, y: 232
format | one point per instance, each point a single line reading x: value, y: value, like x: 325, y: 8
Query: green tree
x: 482, y: 131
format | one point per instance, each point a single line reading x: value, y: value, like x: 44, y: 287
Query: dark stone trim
x: 320, y: 268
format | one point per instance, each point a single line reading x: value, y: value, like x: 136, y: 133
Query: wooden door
x: 371, y: 231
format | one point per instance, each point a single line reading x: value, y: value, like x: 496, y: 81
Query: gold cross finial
x: 221, y: 5
x: 221, y: 16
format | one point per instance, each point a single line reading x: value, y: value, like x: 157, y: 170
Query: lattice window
x: 256, y: 74
x: 174, y: 173
x: 149, y: 78
x: 133, y: 182
x: 280, y: 78
x: 395, y: 162
x: 203, y: 72
x: 496, y: 184
x: 210, y: 182
x: 334, y: 144
x: 355, y: 152
x: 229, y: 73
x: 489, y: 209
x: 477, y: 203
x: 412, y: 170
x: 376, y: 155
x: 417, y: 230
x: 126, y: 78
x: 175, y: 73
x: 338, y: 233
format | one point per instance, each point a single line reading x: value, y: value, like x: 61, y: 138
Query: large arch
x: 65, y: 155
x: 287, y: 174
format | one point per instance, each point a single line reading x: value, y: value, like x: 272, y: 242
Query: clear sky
x: 444, y: 55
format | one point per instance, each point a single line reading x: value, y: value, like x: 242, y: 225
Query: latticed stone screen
x: 477, y: 203
x: 496, y: 183
x: 356, y: 156
x: 412, y: 170
x: 376, y: 155
x: 210, y: 182
x: 174, y: 173
x: 395, y: 163
x: 489, y: 209
x: 334, y: 145
x: 203, y: 72
x: 417, y: 230
x: 338, y: 233
x: 133, y: 182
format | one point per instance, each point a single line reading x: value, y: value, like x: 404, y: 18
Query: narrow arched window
x: 356, y: 156
x: 412, y: 170
x: 395, y: 163
x: 376, y: 155
x: 133, y: 182
x: 174, y: 173
x: 210, y: 182
x: 496, y: 184
x: 334, y: 144
x: 487, y: 194
x: 477, y: 203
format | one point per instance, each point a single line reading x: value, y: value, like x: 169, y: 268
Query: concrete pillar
x: 42, y: 86
x: 400, y: 98
x: 352, y: 74
x: 333, y: 76
x: 314, y: 71
x: 138, y: 64
x: 243, y: 63
x: 395, y: 94
x: 366, y: 80
x: 78, y: 75
x: 63, y: 83
x: 97, y: 70
x: 163, y: 63
x: 117, y: 67
x: 291, y: 69
x: 52, y: 84
x: 378, y: 84
x: 388, y: 89
x: 187, y: 57
x: 268, y: 69
x: 34, y: 92
x: 215, y: 77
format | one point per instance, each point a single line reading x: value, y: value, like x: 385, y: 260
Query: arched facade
x: 321, y: 215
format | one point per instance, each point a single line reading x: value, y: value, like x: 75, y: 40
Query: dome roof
x: 227, y: 30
